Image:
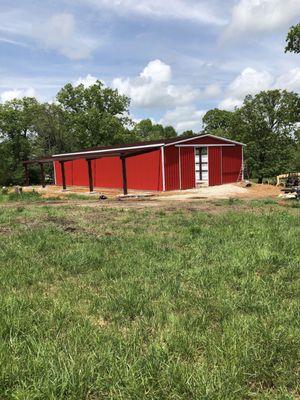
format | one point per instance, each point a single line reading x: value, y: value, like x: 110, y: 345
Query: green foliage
x: 293, y: 39
x: 16, y: 133
x: 146, y: 130
x: 267, y: 123
x: 219, y: 122
x: 95, y: 115
x: 187, y: 134
x: 104, y: 304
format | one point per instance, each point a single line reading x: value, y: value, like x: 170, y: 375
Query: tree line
x: 82, y: 117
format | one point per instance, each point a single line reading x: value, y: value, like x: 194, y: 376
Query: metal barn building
x: 167, y: 164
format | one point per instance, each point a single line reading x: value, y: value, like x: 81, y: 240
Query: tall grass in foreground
x: 107, y: 304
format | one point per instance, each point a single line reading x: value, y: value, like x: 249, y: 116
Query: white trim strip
x: 179, y: 165
x: 243, y: 178
x: 208, y: 169
x: 202, y: 136
x: 109, y: 150
x: 205, y: 145
x: 221, y: 166
x: 54, y: 170
x: 163, y: 168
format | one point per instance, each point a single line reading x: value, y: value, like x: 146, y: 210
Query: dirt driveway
x: 234, y: 190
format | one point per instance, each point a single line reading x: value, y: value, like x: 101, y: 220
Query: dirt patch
x: 233, y: 190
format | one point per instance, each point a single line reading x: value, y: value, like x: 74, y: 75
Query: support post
x: 42, y: 175
x: 124, y: 174
x: 26, y: 174
x: 63, y: 175
x: 90, y: 171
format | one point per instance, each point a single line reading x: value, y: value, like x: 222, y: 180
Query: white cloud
x: 184, y: 118
x: 250, y: 81
x: 230, y: 103
x: 262, y: 16
x: 212, y: 91
x: 59, y: 33
x: 87, y: 81
x: 157, y: 71
x: 289, y: 80
x: 199, y: 11
x: 17, y: 94
x: 153, y: 88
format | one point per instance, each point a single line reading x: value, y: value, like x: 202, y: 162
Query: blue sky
x: 176, y: 59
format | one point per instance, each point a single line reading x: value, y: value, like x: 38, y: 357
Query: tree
x: 146, y: 130
x: 219, y: 122
x: 293, y: 39
x: 53, y: 135
x: 297, y: 153
x: 16, y: 133
x: 169, y: 132
x: 95, y: 115
x: 268, y: 125
x: 187, y: 134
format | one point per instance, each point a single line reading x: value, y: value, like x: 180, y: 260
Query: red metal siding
x: 172, y: 168
x: 79, y: 178
x: 107, y: 172
x: 187, y: 158
x: 144, y: 172
x: 214, y: 166
x: 231, y: 163
x: 57, y: 173
x: 68, y: 173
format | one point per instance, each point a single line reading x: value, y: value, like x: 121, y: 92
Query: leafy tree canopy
x: 95, y: 115
x: 293, y: 39
x: 146, y: 130
x: 268, y: 124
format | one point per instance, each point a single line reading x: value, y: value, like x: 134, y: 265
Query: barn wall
x: 214, y: 166
x: 107, y: 172
x: 68, y: 173
x: 187, y: 157
x: 231, y: 163
x: 144, y: 172
x: 172, y: 168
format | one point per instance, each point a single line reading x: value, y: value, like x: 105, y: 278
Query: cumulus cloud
x: 8, y: 95
x: 199, y: 11
x: 87, y: 81
x: 184, y: 118
x: 153, y: 88
x: 262, y: 15
x: 251, y: 81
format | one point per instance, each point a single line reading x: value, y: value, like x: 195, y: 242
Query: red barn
x: 167, y: 164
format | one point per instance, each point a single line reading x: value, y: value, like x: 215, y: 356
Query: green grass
x: 34, y: 196
x: 20, y: 197
x: 116, y: 304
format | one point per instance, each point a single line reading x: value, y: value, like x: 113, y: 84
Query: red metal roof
x: 123, y: 149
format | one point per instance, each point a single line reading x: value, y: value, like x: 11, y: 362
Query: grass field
x: 100, y: 303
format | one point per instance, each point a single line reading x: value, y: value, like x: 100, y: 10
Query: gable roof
x: 141, y: 145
